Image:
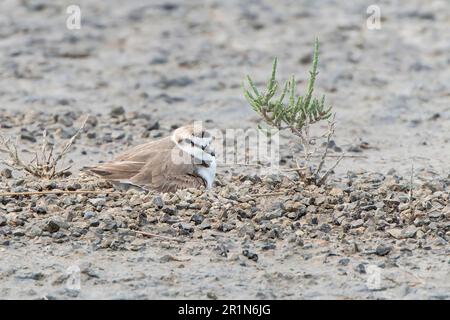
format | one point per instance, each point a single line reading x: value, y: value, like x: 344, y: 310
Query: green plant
x: 297, y: 115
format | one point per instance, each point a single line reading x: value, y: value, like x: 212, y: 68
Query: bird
x: 185, y: 159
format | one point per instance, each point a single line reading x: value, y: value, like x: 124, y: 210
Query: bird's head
x: 196, y: 141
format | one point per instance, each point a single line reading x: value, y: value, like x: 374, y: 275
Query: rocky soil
x: 140, y: 70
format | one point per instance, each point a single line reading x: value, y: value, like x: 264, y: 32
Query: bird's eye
x: 205, y: 164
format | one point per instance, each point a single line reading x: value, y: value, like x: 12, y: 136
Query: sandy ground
x: 180, y: 61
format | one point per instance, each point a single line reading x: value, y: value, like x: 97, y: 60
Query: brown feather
x: 151, y: 164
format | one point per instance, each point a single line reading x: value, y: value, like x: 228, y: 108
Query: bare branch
x: 44, y: 164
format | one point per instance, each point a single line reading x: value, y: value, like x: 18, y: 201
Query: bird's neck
x: 208, y: 174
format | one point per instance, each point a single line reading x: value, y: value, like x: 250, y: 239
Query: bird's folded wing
x: 166, y: 175
x: 145, y: 152
x: 118, y: 170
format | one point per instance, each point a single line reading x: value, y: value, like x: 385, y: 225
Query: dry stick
x: 49, y: 166
x: 33, y: 193
x: 299, y: 168
x: 11, y: 150
x: 325, y: 176
x: 268, y: 194
x: 329, y: 134
x: 345, y: 156
x: 293, y: 169
x: 71, y: 141
x: 154, y: 235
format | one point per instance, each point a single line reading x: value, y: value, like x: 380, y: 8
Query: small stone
x: 167, y: 258
x: 197, y: 218
x: 292, y: 206
x: 420, y: 234
x: 182, y: 81
x: 361, y: 268
x: 167, y: 218
x: 18, y: 233
x: 250, y: 255
x: 336, y: 192
x: 74, y: 186
x: 159, y: 60
x: 94, y: 223
x: 369, y: 207
x: 118, y: 135
x: 170, y: 210
x: 185, y: 228
x: 117, y: 111
x: 319, y: 201
x: 211, y: 295
x: 89, y: 214
x: 158, y: 202
x: 409, y: 232
x: 325, y: 228
x: 87, y: 269
x: 396, y: 233
x: 28, y: 137
x: 97, y: 202
x: 383, y: 250
x: 41, y: 210
x: 34, y: 231
x: 403, y: 207
x: 7, y: 173
x: 268, y: 246
x: 344, y: 261
x: 58, y: 235
x: 51, y: 226
x: 247, y: 230
x: 225, y: 227
x: 357, y: 223
x: 3, y: 221
x: 273, y: 214
x: 206, y: 224
x: 109, y: 224
x: 435, y: 215
x: 293, y: 215
x: 91, y: 135
x: 31, y: 275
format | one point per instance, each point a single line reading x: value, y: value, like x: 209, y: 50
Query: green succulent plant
x: 297, y: 113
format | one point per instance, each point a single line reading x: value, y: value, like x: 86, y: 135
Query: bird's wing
x: 118, y: 170
x: 131, y: 162
x: 166, y: 173
x: 143, y: 152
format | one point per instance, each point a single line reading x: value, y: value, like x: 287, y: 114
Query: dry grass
x: 46, y: 163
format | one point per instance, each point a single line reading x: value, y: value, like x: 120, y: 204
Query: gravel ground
x: 140, y: 70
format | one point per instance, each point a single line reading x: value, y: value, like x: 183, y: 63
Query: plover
x: 185, y: 159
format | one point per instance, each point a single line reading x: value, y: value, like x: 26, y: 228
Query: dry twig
x: 45, y: 163
x: 154, y: 235
x: 35, y: 193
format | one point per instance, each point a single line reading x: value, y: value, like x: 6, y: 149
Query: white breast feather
x: 208, y: 173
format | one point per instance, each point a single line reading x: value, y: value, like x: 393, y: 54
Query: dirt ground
x: 167, y: 63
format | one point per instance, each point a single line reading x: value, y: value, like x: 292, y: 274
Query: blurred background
x: 186, y: 60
